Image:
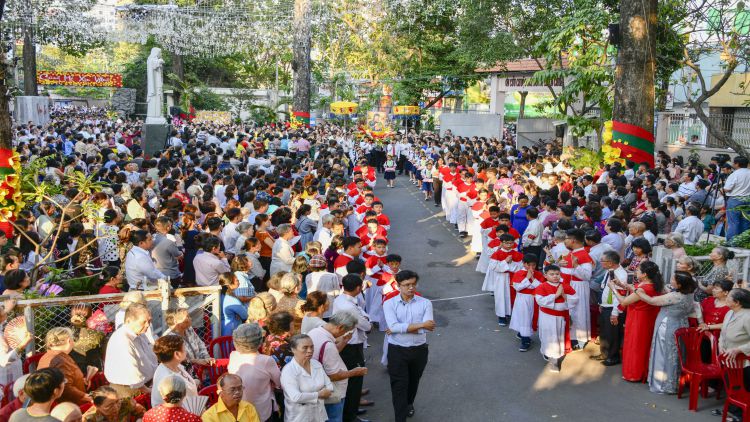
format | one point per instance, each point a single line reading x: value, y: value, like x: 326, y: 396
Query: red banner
x: 113, y: 80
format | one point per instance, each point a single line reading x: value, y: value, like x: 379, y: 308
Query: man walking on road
x: 409, y: 317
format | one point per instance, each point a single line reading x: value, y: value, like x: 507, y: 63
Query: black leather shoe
x: 611, y: 362
x: 361, y: 411
x: 598, y: 357
x: 410, y: 411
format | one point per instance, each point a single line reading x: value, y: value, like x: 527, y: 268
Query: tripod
x: 716, y: 186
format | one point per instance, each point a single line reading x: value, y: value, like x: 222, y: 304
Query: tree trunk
x: 522, y: 106
x: 29, y: 62
x: 178, y: 68
x: 301, y: 61
x: 636, y: 67
x: 5, y: 122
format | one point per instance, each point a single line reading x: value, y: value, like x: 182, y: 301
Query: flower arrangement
x: 611, y: 153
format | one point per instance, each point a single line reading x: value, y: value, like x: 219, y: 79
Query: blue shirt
x: 233, y: 313
x: 284, y: 144
x: 399, y: 314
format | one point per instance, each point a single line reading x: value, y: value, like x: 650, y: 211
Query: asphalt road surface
x: 475, y: 371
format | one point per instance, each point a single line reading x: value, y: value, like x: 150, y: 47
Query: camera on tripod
x: 721, y: 159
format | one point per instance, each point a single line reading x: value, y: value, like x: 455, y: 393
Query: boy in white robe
x: 524, y: 282
x: 554, y: 299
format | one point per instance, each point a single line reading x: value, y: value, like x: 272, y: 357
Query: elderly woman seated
x: 259, y: 372
x: 172, y: 390
x: 180, y: 324
x: 59, y: 342
x: 108, y: 407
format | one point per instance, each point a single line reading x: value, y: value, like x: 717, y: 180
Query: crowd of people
x: 286, y: 221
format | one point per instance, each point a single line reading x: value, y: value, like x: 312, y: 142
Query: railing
x: 202, y: 303
x: 682, y: 128
x: 739, y: 267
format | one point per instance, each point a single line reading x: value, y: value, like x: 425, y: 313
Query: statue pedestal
x: 32, y: 109
x: 155, y: 137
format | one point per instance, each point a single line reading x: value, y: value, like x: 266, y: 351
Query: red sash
x: 566, y: 316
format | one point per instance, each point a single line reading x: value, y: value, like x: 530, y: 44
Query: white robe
x: 498, y: 280
x: 484, y: 258
x: 551, y: 327
x: 523, y: 308
x: 475, y: 230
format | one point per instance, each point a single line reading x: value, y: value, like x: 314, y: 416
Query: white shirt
x: 163, y: 372
x: 612, y: 302
x: 328, y: 283
x: 399, y: 314
x: 691, y: 228
x: 332, y: 362
x: 229, y: 235
x: 532, y: 236
x: 349, y: 304
x: 616, y: 241
x: 596, y: 253
x: 324, y: 236
x: 301, y: 402
x: 140, y: 265
x: 130, y: 359
x: 282, y: 256
x: 738, y: 183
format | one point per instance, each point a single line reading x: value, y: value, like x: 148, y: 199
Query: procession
x: 374, y: 210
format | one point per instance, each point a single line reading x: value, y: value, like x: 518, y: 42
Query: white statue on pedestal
x: 155, y: 97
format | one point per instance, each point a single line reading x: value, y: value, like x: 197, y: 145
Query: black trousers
x: 353, y: 356
x: 437, y: 190
x: 400, y: 164
x: 610, y: 336
x: 536, y: 250
x: 405, y: 368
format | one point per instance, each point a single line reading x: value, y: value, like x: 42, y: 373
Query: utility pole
x: 301, y: 61
x: 635, y: 79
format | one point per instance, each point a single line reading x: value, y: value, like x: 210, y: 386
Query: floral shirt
x: 277, y: 346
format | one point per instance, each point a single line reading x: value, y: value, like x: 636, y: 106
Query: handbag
x: 334, y: 397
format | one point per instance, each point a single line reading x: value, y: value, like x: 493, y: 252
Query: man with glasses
x: 611, y: 321
x: 408, y: 317
x: 230, y: 407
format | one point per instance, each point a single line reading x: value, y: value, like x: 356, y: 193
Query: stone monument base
x: 155, y: 137
x: 32, y: 109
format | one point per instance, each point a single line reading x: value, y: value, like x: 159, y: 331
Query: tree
x: 301, y: 62
x: 714, y: 27
x: 576, y: 55
x: 6, y: 133
x: 636, y: 64
x: 59, y: 22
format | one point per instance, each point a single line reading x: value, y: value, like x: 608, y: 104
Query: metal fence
x: 688, y: 130
x: 202, y: 303
x: 739, y: 267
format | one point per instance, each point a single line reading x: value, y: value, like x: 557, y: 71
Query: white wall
x: 472, y: 124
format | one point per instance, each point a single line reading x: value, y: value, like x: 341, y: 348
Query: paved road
x: 475, y: 372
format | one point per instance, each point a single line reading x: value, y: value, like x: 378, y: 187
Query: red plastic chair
x: 144, y: 400
x: 212, y: 394
x: 97, y: 381
x: 32, y: 360
x: 213, y: 372
x: 85, y: 407
x: 734, y: 381
x: 225, y: 344
x: 207, y: 329
x: 694, y: 370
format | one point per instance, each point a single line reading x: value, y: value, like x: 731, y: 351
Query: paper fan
x: 98, y: 321
x: 15, y: 332
x: 195, y: 404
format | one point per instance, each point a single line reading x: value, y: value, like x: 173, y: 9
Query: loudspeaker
x: 155, y: 136
x: 614, y: 34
